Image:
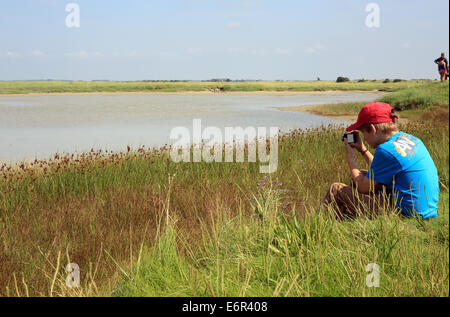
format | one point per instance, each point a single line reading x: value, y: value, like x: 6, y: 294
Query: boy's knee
x: 332, y: 193
x: 336, y: 188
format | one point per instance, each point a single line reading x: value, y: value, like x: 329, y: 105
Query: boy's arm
x: 359, y: 145
x: 367, y: 155
x: 362, y: 182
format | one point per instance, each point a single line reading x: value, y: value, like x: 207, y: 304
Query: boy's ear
x: 372, y: 128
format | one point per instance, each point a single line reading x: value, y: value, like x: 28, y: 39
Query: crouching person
x: 402, y: 173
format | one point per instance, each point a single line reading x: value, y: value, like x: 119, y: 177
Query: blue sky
x: 238, y: 39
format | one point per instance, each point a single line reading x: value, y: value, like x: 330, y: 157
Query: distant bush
x: 361, y: 80
x: 342, y: 79
x: 386, y: 81
x: 397, y: 80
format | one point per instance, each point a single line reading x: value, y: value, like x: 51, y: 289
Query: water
x: 40, y: 126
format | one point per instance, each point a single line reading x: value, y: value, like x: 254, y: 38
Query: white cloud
x: 321, y: 48
x: 260, y: 52
x: 12, y: 54
x: 80, y: 54
x: 165, y: 53
x: 233, y: 25
x: 248, y: 4
x: 83, y: 54
x: 194, y: 51
x: 38, y: 53
x: 310, y: 50
x: 235, y: 50
x: 315, y: 49
x: 153, y: 53
x: 280, y: 51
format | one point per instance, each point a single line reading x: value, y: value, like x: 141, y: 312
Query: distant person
x: 442, y: 66
x: 401, y: 170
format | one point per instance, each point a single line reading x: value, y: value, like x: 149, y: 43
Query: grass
x: 412, y: 102
x: 421, y: 97
x: 334, y: 109
x: 281, y: 255
x: 138, y: 224
x: 44, y: 87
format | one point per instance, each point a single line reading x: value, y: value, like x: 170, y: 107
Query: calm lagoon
x: 41, y: 126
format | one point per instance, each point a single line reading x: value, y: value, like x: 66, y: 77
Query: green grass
x: 337, y: 109
x: 44, y: 87
x: 281, y: 255
x: 423, y: 97
x: 139, y: 224
x: 412, y: 102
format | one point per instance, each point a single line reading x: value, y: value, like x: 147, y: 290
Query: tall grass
x: 273, y: 251
x: 272, y: 254
x: 234, y: 232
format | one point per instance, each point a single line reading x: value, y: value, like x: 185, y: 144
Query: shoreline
x: 264, y: 92
x: 311, y: 109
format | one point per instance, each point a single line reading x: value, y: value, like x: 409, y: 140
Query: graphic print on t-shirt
x: 404, y: 145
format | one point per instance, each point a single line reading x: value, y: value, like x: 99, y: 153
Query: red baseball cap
x: 374, y: 112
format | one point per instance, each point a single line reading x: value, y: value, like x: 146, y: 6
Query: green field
x: 138, y: 224
x: 45, y: 87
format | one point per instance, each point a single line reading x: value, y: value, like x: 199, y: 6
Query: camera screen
x: 350, y: 138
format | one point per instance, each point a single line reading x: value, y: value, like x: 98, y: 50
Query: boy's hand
x: 350, y: 150
x: 358, y: 145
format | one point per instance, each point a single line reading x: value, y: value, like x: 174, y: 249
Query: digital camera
x: 351, y: 137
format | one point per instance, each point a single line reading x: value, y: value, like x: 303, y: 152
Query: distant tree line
x: 341, y: 79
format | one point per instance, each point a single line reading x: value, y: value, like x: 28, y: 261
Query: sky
x: 237, y: 39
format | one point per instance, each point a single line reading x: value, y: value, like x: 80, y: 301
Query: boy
x: 401, y: 165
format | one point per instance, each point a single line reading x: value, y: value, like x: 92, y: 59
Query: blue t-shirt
x: 405, y: 167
